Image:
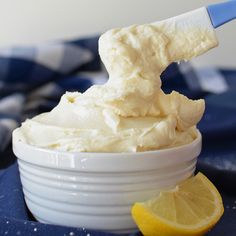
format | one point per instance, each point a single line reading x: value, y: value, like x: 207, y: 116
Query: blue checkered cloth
x: 32, y: 80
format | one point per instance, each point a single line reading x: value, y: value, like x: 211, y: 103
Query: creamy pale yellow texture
x: 130, y: 113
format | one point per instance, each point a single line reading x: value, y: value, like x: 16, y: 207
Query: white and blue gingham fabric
x: 32, y: 79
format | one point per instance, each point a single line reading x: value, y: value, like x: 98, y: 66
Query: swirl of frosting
x: 129, y: 113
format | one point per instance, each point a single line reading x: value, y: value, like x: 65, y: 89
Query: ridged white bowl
x: 97, y: 190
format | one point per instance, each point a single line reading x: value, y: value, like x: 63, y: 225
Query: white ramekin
x: 97, y: 190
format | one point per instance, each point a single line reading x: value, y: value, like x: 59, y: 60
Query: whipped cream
x: 129, y: 113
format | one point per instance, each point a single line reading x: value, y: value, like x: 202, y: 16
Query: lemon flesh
x: 192, y: 208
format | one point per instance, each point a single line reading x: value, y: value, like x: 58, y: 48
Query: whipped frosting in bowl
x: 129, y: 113
x: 87, y: 161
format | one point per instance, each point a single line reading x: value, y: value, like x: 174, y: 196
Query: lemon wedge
x: 192, y: 208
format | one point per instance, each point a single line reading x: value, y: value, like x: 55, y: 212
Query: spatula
x: 209, y: 17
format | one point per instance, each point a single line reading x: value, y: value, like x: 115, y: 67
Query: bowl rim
x: 107, y: 162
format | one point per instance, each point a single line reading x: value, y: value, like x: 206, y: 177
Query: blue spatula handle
x: 222, y: 13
